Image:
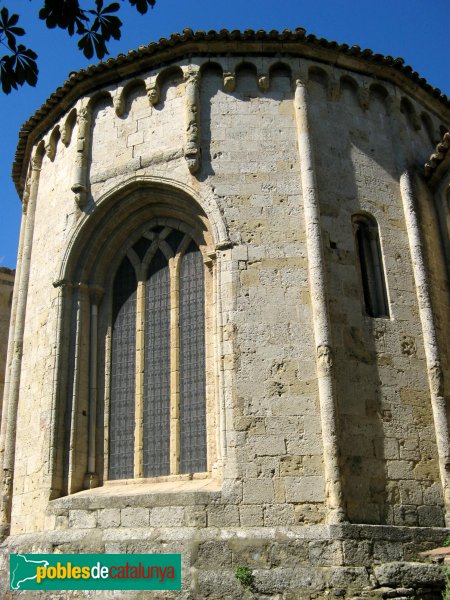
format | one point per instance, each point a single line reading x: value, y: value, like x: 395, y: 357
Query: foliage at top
x: 94, y: 25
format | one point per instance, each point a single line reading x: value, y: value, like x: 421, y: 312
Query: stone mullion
x: 140, y: 366
x: 212, y: 420
x: 91, y: 475
x: 382, y: 309
x: 107, y: 399
x: 174, y: 270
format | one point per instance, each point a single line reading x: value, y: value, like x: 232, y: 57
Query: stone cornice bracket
x: 119, y: 103
x: 67, y: 128
x: 334, y: 88
x: 229, y: 82
x: 50, y: 148
x: 153, y: 91
x: 80, y: 186
x: 60, y: 283
x: 393, y: 105
x: 364, y: 97
x: 26, y: 194
x: 263, y: 82
x: 192, y: 143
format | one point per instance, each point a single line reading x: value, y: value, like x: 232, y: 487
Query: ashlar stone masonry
x: 231, y: 318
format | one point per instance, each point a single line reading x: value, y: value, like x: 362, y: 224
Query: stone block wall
x: 223, y: 146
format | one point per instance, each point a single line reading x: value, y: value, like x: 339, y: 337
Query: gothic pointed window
x: 157, y: 413
x: 370, y: 265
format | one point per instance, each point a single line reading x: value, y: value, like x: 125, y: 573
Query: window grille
x: 157, y: 369
x: 160, y: 428
x: 192, y: 363
x: 123, y: 361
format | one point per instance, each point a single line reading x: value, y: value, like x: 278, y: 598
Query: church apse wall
x: 228, y: 324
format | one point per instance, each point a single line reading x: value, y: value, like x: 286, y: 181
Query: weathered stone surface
x: 318, y: 363
x: 397, y: 574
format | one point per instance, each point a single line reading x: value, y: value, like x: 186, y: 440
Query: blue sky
x: 416, y: 30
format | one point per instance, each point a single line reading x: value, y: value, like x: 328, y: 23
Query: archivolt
x: 122, y: 210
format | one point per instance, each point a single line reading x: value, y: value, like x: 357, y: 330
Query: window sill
x: 144, y: 493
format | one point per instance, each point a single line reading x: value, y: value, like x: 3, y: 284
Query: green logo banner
x: 95, y: 572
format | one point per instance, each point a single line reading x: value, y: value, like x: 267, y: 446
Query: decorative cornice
x: 294, y: 43
x: 437, y: 157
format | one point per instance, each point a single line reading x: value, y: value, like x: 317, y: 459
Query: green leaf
x: 7, y: 76
x: 109, y: 25
x: 142, y: 5
x: 65, y: 14
x: 8, y: 28
x: 93, y: 41
x: 24, y: 66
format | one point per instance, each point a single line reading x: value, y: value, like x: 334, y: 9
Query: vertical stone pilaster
x: 322, y: 331
x: 12, y: 321
x: 433, y: 361
x: 9, y: 440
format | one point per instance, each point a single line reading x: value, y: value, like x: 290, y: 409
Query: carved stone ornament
x: 229, y: 82
x: 119, y: 104
x: 264, y: 83
x: 192, y: 144
x: 153, y: 93
x: 80, y: 192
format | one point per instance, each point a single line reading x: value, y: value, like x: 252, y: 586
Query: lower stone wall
x: 287, y: 563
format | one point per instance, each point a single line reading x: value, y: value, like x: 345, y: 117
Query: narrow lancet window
x: 370, y: 265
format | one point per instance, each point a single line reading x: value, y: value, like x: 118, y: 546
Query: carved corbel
x: 415, y: 121
x: 80, y: 186
x: 153, y: 92
x: 119, y: 103
x: 392, y: 104
x: 334, y: 88
x: 364, y: 97
x: 67, y: 128
x: 50, y: 147
x: 229, y: 82
x: 192, y: 144
x: 263, y: 82
x: 26, y: 195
